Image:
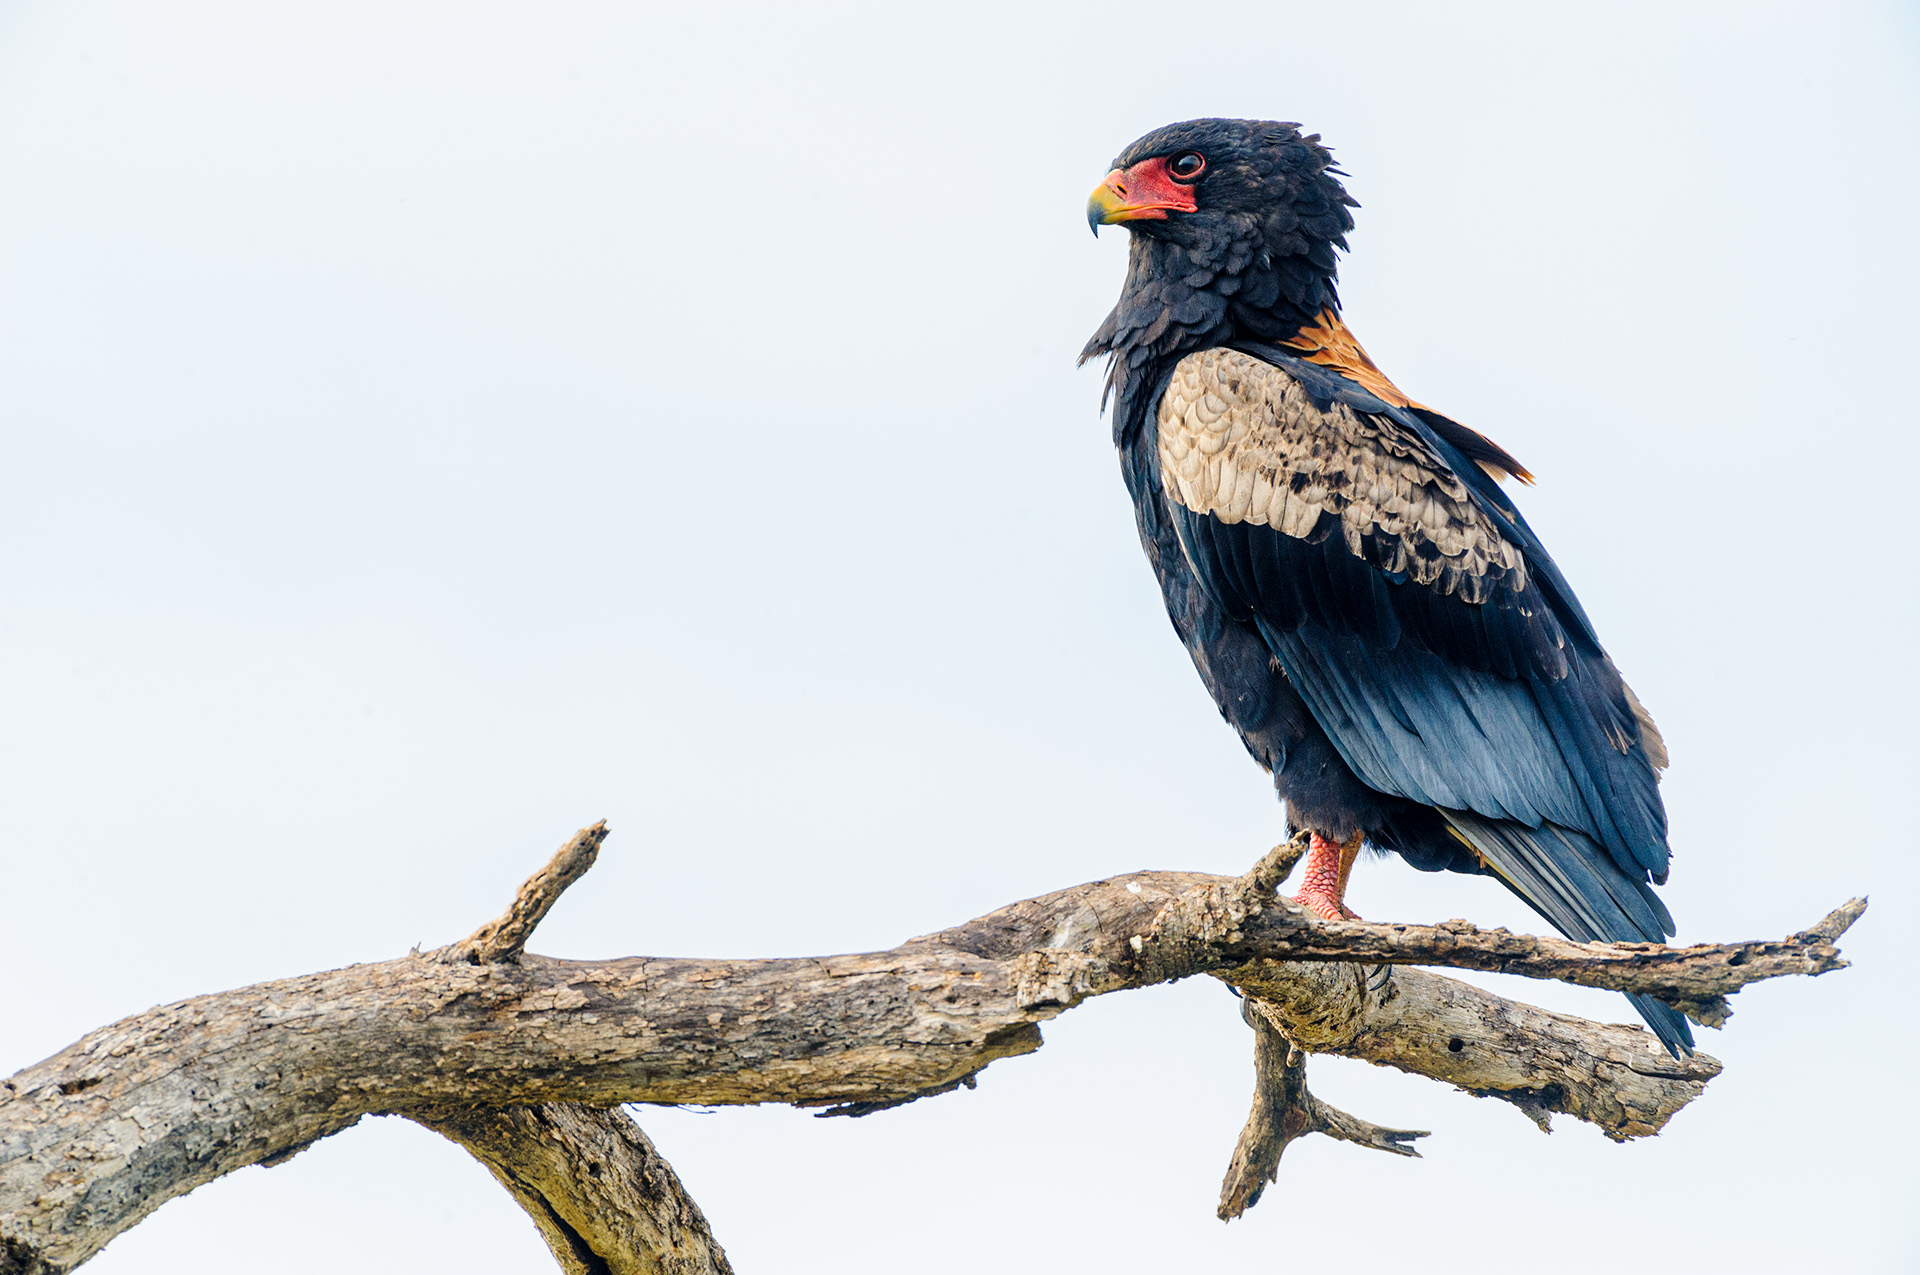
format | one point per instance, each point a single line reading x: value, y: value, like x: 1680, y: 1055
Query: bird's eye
x: 1187, y: 166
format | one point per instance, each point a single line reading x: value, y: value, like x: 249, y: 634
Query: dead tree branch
x: 1694, y: 979
x: 1283, y: 1110
x: 604, y: 1200
x: 505, y: 937
x: 97, y: 1136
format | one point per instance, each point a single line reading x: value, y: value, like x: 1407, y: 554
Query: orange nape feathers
x: 1329, y: 343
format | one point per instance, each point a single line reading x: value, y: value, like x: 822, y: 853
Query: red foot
x: 1323, y: 883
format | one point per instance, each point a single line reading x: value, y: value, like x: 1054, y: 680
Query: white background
x: 429, y: 428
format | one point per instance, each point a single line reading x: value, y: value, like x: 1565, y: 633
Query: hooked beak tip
x: 1141, y: 193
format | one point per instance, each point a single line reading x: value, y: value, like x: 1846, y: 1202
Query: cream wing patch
x: 1241, y: 440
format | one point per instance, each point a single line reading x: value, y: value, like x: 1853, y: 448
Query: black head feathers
x: 1234, y: 225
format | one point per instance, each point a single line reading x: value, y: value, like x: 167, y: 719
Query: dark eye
x: 1187, y: 166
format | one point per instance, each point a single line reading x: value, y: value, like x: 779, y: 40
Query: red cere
x: 1148, y: 190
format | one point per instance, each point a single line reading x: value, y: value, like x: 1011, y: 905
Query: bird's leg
x: 1323, y: 885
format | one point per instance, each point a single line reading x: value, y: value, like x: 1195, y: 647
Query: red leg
x: 1323, y: 883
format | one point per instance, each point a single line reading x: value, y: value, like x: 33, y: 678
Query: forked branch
x: 505, y: 937
x: 523, y: 1058
x: 1283, y: 1110
x: 605, y: 1201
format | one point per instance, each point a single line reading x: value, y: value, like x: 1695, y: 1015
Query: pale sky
x: 430, y: 428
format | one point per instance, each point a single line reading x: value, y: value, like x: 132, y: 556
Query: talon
x: 1325, y: 906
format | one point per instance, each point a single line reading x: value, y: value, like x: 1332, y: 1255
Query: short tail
x: 1570, y: 879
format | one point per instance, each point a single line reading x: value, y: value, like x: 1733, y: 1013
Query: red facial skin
x: 1147, y: 191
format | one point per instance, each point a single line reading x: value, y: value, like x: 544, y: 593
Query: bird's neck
x: 1180, y: 298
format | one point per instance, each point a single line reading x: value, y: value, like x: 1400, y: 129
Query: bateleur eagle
x: 1369, y: 609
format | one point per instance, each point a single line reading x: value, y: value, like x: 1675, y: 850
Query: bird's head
x: 1234, y: 226
x: 1223, y: 179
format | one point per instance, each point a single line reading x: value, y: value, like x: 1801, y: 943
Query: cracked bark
x: 1283, y: 1110
x: 605, y: 1201
x: 522, y: 1058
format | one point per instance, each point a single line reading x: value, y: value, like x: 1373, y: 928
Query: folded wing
x: 1427, y: 629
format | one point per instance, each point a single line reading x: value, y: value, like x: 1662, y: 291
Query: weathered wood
x: 1616, y: 1077
x: 1285, y: 1109
x: 1694, y: 979
x: 603, y: 1198
x: 97, y: 1136
x: 1221, y: 925
x: 505, y: 937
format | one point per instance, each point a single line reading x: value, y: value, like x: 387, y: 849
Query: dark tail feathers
x: 1570, y: 879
